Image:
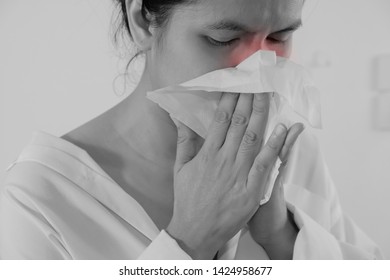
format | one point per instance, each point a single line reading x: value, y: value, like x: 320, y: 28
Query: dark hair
x: 158, y: 10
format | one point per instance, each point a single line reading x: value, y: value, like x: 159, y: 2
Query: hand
x: 213, y: 200
x: 273, y: 226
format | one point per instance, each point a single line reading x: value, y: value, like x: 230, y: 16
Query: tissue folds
x: 194, y: 102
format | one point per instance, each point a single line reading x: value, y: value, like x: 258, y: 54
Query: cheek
x: 243, y: 51
x: 183, y: 60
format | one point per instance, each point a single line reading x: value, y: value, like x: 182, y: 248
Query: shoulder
x: 46, y: 166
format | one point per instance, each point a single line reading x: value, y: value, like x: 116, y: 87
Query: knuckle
x: 261, y: 166
x: 260, y: 109
x: 222, y: 116
x: 250, y: 138
x: 239, y: 119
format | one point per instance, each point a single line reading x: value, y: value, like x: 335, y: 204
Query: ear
x: 139, y: 27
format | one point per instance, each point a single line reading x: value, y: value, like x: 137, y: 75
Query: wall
x: 349, y: 35
x: 58, y: 65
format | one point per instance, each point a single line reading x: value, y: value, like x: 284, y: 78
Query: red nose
x: 243, y: 51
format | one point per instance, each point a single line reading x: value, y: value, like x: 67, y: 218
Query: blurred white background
x: 57, y: 67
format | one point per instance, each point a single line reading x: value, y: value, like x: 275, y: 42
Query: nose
x: 246, y: 49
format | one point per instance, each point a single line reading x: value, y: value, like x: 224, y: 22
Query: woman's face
x: 215, y: 34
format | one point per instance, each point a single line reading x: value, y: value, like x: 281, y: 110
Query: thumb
x: 186, y: 144
x: 293, y: 134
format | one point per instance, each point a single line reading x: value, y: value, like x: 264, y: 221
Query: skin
x: 137, y: 138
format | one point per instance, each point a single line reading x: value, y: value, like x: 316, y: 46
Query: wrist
x: 280, y: 244
x: 192, y: 244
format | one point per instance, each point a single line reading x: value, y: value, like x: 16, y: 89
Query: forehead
x: 257, y: 15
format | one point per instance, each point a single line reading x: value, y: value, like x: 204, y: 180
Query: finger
x: 263, y: 163
x: 253, y: 138
x: 239, y: 123
x: 220, y: 125
x: 186, y: 145
x: 277, y: 195
x: 292, y: 136
x: 276, y: 203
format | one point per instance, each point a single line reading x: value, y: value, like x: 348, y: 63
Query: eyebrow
x: 234, y: 26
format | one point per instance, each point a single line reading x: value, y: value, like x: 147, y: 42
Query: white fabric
x: 57, y: 203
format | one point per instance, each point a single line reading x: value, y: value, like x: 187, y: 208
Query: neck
x: 145, y: 127
x: 135, y: 143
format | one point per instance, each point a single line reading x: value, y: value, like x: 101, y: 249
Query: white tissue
x: 295, y: 97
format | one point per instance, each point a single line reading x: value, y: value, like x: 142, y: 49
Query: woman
x: 133, y: 183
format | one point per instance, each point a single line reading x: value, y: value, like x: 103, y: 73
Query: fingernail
x: 280, y: 129
x: 302, y: 127
x: 300, y: 130
x: 297, y: 133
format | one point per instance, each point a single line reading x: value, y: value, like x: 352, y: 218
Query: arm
x: 19, y: 217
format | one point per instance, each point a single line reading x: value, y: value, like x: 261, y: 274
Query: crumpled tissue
x: 294, y: 96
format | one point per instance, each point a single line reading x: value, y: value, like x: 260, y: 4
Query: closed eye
x: 221, y: 43
x: 280, y: 38
x: 274, y: 40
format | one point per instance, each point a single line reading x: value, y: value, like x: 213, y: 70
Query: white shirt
x: 57, y: 203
